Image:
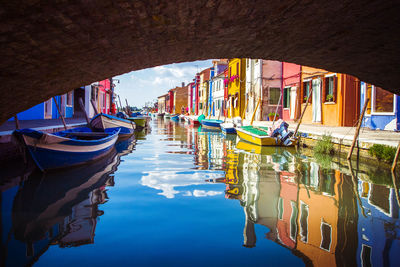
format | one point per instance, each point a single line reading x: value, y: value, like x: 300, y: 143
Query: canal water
x: 181, y: 196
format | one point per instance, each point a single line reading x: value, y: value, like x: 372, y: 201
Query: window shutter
x: 325, y: 81
x: 334, y: 88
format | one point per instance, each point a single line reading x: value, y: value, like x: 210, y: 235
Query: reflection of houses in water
x: 379, y: 230
x: 215, y: 151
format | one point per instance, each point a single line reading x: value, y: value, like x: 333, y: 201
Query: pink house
x: 291, y: 76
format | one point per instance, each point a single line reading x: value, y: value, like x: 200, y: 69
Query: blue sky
x: 147, y: 84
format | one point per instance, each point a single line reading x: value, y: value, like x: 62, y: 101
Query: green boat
x: 139, y: 121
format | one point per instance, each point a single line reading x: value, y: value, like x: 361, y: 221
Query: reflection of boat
x: 104, y: 121
x: 261, y: 137
x: 60, y: 207
x: 228, y: 128
x: 264, y: 150
x: 175, y: 118
x: 160, y: 115
x: 167, y: 116
x: 207, y: 130
x: 66, y: 148
x: 140, y: 121
x: 211, y: 124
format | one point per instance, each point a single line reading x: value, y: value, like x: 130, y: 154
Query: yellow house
x: 236, y: 86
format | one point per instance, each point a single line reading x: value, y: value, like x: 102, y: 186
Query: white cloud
x: 203, y: 193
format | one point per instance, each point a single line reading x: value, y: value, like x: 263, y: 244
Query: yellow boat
x: 259, y: 136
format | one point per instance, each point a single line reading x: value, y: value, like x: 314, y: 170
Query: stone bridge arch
x: 50, y: 47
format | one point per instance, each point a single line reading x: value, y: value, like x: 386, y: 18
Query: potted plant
x: 329, y: 98
x: 271, y: 116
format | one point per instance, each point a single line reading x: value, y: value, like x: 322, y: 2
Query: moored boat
x: 260, y: 136
x: 66, y: 148
x: 160, y: 115
x: 167, y: 116
x: 228, y: 128
x: 140, y: 121
x: 102, y: 121
x: 211, y: 124
x: 175, y: 118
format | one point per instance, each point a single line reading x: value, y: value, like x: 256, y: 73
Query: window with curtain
x: 286, y: 97
x: 306, y: 91
x: 274, y: 94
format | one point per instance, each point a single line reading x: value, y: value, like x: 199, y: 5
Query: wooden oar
x: 59, y: 112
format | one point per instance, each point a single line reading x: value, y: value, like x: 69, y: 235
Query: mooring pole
x: 358, y: 128
x: 59, y: 112
x: 84, y: 110
x: 16, y: 122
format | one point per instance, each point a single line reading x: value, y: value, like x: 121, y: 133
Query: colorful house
x: 335, y: 99
x: 162, y: 103
x: 291, y: 81
x: 236, y: 87
x: 170, y: 101
x: 218, y: 67
x: 48, y: 109
x: 180, y: 99
x: 189, y: 89
x: 253, y: 87
x: 218, y: 94
x: 271, y: 88
x: 382, y: 110
x: 203, y: 91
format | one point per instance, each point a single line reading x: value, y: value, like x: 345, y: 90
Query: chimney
x: 183, y: 84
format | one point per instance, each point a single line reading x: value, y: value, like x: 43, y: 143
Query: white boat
x: 104, y: 121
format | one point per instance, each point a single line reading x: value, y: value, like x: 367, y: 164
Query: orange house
x: 335, y: 99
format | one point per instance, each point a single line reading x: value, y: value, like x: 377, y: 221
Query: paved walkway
x: 9, y: 126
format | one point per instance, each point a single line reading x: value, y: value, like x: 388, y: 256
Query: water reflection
x: 184, y: 184
x: 55, y: 208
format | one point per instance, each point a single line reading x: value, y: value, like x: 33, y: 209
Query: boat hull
x: 50, y: 151
x: 140, y: 122
x: 102, y: 122
x: 211, y: 124
x: 260, y: 140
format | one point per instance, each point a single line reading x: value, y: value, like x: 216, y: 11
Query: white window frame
x: 330, y: 243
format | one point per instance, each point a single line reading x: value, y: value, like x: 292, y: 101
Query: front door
x: 316, y: 100
x: 47, y: 109
x: 292, y: 103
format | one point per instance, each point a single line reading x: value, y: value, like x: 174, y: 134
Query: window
x: 383, y: 101
x: 69, y: 98
x: 286, y: 97
x: 366, y: 256
x: 237, y: 68
x: 306, y: 91
x: 280, y: 208
x: 304, y: 223
x: 293, y: 221
x: 274, y: 94
x: 330, y: 89
x: 230, y: 72
x: 326, y: 239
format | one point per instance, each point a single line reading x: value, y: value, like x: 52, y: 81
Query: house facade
x: 180, y: 99
x: 335, y: 99
x: 203, y: 91
x: 162, y: 103
x: 236, y: 87
x: 291, y: 79
x: 271, y: 73
x: 253, y: 88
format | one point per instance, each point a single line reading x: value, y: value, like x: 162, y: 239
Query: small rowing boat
x: 228, y: 128
x: 211, y: 124
x: 66, y: 148
x: 175, y: 118
x: 102, y: 121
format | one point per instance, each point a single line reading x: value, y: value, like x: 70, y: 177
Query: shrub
x: 383, y: 152
x: 324, y: 145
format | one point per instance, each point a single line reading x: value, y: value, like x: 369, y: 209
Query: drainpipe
x: 261, y: 89
x: 282, y: 90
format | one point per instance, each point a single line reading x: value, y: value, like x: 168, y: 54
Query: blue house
x: 379, y: 230
x: 48, y: 109
x: 382, y: 110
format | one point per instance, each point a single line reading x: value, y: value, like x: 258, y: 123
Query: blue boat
x: 211, y: 124
x: 66, y: 148
x: 175, y: 118
x: 228, y: 128
x: 102, y: 121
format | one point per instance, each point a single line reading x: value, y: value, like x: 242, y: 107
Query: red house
x: 104, y: 96
x: 291, y: 76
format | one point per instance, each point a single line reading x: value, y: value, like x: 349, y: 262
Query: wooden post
x: 16, y: 122
x: 255, y: 110
x: 84, y: 110
x: 94, y: 106
x: 358, y: 128
x: 355, y: 189
x: 276, y: 110
x: 212, y: 105
x: 59, y: 112
x: 302, y: 113
x: 396, y: 157
x: 120, y: 105
x: 244, y: 111
x: 396, y: 190
x: 128, y: 109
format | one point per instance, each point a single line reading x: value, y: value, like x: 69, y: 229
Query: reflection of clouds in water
x: 167, y: 180
x: 201, y: 193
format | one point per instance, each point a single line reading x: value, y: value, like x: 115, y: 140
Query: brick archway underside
x: 51, y: 47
